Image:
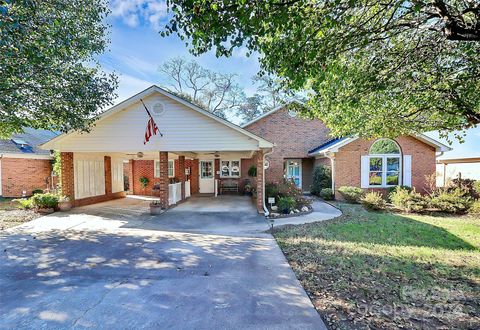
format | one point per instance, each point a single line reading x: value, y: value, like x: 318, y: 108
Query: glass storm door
x: 207, y: 177
x: 294, y: 172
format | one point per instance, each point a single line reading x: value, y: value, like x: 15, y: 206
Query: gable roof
x: 262, y: 143
x: 26, y: 144
x: 335, y: 144
x: 266, y: 114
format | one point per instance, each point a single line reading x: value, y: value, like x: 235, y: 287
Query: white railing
x: 174, y: 193
x: 187, y: 189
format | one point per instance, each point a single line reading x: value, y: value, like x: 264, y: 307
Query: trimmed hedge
x: 351, y: 194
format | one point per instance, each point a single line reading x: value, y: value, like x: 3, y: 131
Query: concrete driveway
x: 112, y: 265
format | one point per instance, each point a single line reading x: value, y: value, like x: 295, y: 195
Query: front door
x: 294, y: 171
x: 207, y: 177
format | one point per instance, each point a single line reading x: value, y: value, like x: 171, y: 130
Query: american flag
x: 152, y: 127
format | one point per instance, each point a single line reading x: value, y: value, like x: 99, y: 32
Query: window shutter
x: 364, y: 171
x: 407, y: 170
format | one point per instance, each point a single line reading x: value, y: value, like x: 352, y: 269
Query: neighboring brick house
x: 302, y: 144
x: 23, y: 166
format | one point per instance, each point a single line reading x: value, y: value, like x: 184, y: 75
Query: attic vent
x: 292, y: 113
x: 158, y: 109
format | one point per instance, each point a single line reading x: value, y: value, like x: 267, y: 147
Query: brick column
x: 259, y: 164
x: 107, y: 165
x: 130, y: 176
x: 163, y: 180
x: 181, y: 173
x: 194, y: 183
x: 67, y: 175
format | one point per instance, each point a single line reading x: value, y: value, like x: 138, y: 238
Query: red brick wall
x: 293, y: 138
x: 20, y: 174
x: 347, y: 161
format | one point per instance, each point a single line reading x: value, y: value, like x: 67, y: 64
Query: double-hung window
x: 230, y: 168
x: 171, y: 169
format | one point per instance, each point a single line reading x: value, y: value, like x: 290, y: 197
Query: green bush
x: 302, y: 201
x: 475, y: 208
x: 451, y: 201
x: 351, y: 194
x: 373, y: 201
x: 476, y: 187
x: 45, y: 201
x: 144, y: 182
x: 271, y: 190
x: 25, y: 203
x: 326, y: 194
x: 252, y: 171
x: 37, y: 191
x: 286, y: 204
x: 322, y: 179
x: 408, y: 200
x: 467, y: 185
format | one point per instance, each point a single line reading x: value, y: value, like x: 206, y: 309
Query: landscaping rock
x: 274, y: 215
x: 291, y: 212
x: 274, y: 208
x: 305, y: 209
x: 296, y: 211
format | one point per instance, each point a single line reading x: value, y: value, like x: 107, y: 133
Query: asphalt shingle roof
x: 33, y: 138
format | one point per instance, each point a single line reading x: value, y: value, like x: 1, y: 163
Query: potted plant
x: 64, y: 204
x: 45, y: 203
x: 252, y: 171
x: 248, y: 190
x: 156, y: 208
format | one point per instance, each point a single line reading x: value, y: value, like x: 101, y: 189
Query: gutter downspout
x: 265, y: 209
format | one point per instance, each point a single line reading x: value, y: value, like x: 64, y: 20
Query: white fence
x: 187, y: 189
x: 175, y: 192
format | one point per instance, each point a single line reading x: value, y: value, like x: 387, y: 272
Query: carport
x: 193, y: 152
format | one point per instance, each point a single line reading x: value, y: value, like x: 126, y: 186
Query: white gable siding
x: 184, y: 129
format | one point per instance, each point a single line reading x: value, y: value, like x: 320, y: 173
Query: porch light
x: 140, y: 154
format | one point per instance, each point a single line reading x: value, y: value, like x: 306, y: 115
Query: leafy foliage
x: 252, y: 171
x: 25, y: 203
x: 351, y: 194
x: 475, y: 208
x: 326, y: 194
x: 408, y: 200
x: 144, y: 181
x: 50, y: 76
x: 453, y: 201
x: 322, y: 179
x: 373, y: 201
x: 286, y: 204
x: 467, y: 185
x: 37, y: 191
x: 45, y: 201
x: 371, y: 68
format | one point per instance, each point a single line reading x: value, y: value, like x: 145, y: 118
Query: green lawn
x: 384, y: 270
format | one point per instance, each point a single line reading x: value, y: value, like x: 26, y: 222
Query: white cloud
x: 135, y: 12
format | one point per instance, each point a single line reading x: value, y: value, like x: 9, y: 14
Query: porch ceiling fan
x: 137, y: 155
x: 215, y: 153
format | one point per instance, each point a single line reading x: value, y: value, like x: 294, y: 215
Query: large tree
x: 49, y: 75
x: 373, y: 68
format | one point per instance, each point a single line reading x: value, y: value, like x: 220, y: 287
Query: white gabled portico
x: 194, y: 148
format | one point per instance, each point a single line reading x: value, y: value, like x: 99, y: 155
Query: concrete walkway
x: 112, y: 265
x: 321, y: 211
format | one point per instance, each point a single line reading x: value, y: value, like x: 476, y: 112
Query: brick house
x: 302, y: 144
x: 23, y: 165
x: 196, y: 153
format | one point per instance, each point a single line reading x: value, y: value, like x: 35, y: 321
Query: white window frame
x: 230, y: 168
x: 384, y: 171
x: 171, y: 168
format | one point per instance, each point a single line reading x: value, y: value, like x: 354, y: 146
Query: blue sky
x: 136, y: 51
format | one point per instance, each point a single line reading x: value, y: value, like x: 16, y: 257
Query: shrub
x: 408, y: 200
x: 37, y: 191
x: 476, y: 186
x: 25, y: 203
x: 326, y: 194
x: 271, y: 190
x: 451, y: 201
x: 351, y: 194
x: 301, y: 202
x: 288, y: 189
x: 467, y: 185
x: 373, y: 201
x: 322, y: 178
x: 286, y: 204
x: 475, y: 208
x: 45, y: 201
